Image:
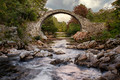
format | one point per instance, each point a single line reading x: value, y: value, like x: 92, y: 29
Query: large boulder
x: 85, y: 59
x: 24, y: 54
x: 87, y: 45
x: 80, y: 35
x: 111, y: 43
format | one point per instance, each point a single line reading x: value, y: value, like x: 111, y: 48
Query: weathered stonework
x: 34, y: 28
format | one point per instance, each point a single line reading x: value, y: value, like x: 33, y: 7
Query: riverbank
x: 39, y: 61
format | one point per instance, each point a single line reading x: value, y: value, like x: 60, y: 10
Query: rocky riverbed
x: 57, y: 62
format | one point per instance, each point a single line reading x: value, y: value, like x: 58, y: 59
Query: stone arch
x: 52, y: 12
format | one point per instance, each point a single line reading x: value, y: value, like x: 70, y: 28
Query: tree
x: 90, y: 15
x: 81, y: 10
x: 16, y: 12
x: 49, y: 26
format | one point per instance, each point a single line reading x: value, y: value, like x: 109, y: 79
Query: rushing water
x: 41, y: 69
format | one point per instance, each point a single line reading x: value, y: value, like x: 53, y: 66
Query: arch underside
x: 52, y: 12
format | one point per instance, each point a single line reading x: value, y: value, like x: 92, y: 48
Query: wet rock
x: 29, y: 57
x: 40, y: 43
x: 109, y: 76
x: 82, y: 57
x: 48, y: 49
x: 109, y: 54
x: 25, y: 54
x: 87, y: 45
x: 71, y: 47
x: 59, y: 53
x: 43, y: 53
x: 82, y: 60
x: 101, y: 54
x: 13, y: 52
x: 39, y: 55
x: 105, y: 59
x: 117, y: 49
x: 3, y: 57
x: 30, y: 47
x: 87, y: 79
x: 100, y: 47
x: 111, y: 43
x: 109, y: 50
x: 94, y: 51
x: 117, y: 58
x: 57, y: 61
x: 111, y: 67
x: 103, y: 66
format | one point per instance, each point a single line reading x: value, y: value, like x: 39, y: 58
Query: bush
x: 49, y: 26
x: 33, y: 16
x: 37, y: 38
x: 21, y: 31
x: 73, y: 28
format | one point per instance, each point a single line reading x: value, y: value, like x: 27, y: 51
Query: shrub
x: 33, y: 16
x: 73, y: 28
x: 37, y: 38
x: 21, y: 31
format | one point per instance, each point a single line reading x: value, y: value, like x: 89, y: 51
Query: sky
x: 95, y: 5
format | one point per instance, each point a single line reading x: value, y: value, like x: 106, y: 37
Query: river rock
x: 94, y: 51
x: 117, y: 49
x: 3, y: 57
x: 43, y: 53
x: 39, y: 55
x: 87, y: 45
x: 101, y: 54
x: 59, y: 52
x: 29, y: 57
x: 57, y: 61
x: 109, y: 76
x: 40, y: 43
x: 25, y: 54
x: 80, y: 35
x: 100, y: 47
x: 71, y: 47
x: 82, y: 59
x: 13, y: 52
x: 47, y: 49
x: 111, y: 43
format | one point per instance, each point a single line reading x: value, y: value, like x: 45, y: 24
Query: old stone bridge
x: 34, y: 28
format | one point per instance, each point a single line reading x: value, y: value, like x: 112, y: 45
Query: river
x: 41, y: 69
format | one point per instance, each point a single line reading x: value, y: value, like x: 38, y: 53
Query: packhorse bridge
x: 34, y: 28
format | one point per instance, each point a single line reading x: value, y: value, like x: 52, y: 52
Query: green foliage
x: 90, y: 15
x: 112, y: 19
x: 37, y: 38
x: 32, y: 16
x: 103, y: 36
x: 61, y: 26
x: 73, y: 28
x: 21, y: 31
x: 48, y: 25
x: 16, y: 12
x: 7, y: 34
x: 101, y: 16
